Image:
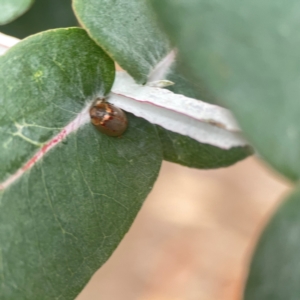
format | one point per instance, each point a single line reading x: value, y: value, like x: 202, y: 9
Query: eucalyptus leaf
x: 275, y: 268
x: 183, y: 150
x: 247, y: 54
x: 188, y: 86
x: 12, y: 9
x: 208, y: 129
x: 53, y: 86
x: 127, y: 30
x: 61, y: 219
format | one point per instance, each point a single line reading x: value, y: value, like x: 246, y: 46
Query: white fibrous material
x: 204, y: 122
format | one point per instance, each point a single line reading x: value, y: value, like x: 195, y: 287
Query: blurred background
x: 43, y: 15
x: 194, y: 236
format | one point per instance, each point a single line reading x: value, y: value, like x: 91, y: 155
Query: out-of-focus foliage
x: 43, y: 15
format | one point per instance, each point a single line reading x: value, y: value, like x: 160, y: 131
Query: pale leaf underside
x: 201, y: 121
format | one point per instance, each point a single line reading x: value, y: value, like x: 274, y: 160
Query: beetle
x: 108, y: 118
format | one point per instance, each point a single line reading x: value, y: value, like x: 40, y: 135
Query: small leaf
x: 127, y: 31
x: 274, y: 272
x: 68, y: 193
x: 246, y: 53
x: 12, y: 9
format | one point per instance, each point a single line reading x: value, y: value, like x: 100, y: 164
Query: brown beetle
x: 108, y: 118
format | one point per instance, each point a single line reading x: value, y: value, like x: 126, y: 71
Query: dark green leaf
x: 61, y: 220
x: 127, y: 30
x: 129, y: 33
x: 188, y: 152
x: 188, y: 86
x: 246, y: 53
x: 12, y: 9
x: 275, y: 269
x: 169, y: 111
x: 43, y: 15
x: 52, y: 87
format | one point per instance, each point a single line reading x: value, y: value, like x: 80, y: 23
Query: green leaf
x: 127, y: 31
x: 275, y: 271
x: 182, y: 149
x: 247, y: 55
x: 207, y: 124
x: 188, y: 152
x: 61, y: 220
x: 50, y: 90
x: 43, y: 15
x: 12, y: 9
x: 189, y: 87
